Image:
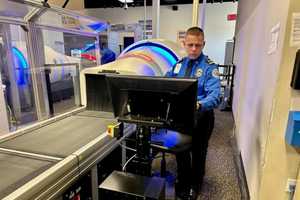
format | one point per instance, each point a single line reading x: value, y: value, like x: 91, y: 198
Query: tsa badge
x: 199, y: 73
x: 216, y: 73
x: 177, y: 68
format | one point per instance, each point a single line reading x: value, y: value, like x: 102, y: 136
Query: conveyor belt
x: 17, y: 170
x: 71, y: 144
x: 61, y: 138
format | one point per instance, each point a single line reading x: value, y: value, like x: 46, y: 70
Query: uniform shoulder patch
x: 215, y: 73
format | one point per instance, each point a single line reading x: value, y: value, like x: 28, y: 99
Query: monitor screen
x: 172, y: 100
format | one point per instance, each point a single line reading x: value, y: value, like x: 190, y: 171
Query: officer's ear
x: 203, y: 44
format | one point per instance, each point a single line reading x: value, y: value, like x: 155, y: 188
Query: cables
x: 125, y: 147
x: 131, y: 149
x: 124, y: 167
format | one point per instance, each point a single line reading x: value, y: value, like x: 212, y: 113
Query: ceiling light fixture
x: 126, y: 1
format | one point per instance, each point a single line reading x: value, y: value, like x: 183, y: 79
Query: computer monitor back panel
x: 172, y: 99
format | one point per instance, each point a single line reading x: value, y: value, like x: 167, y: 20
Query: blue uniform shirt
x: 208, y: 80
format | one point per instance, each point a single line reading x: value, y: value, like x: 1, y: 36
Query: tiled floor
x: 220, y: 182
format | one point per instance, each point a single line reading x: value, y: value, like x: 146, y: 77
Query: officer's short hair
x: 195, y: 31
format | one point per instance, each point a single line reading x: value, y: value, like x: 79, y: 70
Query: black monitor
x: 158, y: 100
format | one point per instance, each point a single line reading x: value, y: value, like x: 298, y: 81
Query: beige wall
x: 72, y: 5
x: 262, y: 97
x: 282, y: 160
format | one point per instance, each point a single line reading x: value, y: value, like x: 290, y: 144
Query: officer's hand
x: 198, y: 105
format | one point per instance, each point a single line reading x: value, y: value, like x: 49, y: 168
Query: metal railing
x: 227, y: 83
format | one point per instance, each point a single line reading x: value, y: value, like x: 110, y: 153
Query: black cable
x: 65, y: 4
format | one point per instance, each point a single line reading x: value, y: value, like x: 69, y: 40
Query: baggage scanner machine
x: 50, y: 159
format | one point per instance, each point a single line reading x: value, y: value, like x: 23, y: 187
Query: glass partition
x: 63, y: 87
x: 16, y: 77
x: 61, y: 47
x: 65, y: 55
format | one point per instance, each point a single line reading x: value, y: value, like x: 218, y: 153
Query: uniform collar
x: 199, y: 59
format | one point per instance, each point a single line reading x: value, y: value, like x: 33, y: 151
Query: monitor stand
x: 143, y: 159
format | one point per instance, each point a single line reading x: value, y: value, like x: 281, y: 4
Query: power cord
x: 125, y: 147
x: 124, y: 167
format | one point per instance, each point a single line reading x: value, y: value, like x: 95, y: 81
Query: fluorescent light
x: 126, y: 1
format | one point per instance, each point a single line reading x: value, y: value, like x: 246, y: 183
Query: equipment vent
x: 295, y: 32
